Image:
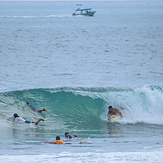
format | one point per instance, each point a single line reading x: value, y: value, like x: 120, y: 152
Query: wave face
x: 84, y: 108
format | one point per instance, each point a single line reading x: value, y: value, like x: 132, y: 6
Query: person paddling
x: 35, y: 110
x: 22, y: 120
x: 57, y: 141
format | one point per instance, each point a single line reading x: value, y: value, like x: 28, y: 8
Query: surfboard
x: 115, y: 117
x: 10, y: 120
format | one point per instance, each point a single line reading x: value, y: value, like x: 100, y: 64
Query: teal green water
x: 84, y: 108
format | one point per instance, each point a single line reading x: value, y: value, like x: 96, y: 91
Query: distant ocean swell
x: 36, y: 17
x: 85, y: 108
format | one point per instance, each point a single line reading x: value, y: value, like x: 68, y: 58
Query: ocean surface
x: 76, y: 67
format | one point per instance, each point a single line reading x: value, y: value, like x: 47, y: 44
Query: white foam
x: 154, y: 156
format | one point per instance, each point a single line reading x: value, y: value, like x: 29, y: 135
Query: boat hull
x: 85, y: 14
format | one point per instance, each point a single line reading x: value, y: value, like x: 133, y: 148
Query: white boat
x: 84, y: 12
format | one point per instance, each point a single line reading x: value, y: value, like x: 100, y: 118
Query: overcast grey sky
x: 78, y: 0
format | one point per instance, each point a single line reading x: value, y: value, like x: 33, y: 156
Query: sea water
x: 76, y: 67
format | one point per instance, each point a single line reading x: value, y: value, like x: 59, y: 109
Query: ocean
x: 76, y: 67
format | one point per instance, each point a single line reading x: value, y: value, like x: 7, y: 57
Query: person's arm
x: 55, y: 143
x: 50, y: 142
x: 109, y: 115
x: 42, y: 110
x: 76, y: 136
x: 120, y: 113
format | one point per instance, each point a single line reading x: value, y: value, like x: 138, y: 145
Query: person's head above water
x: 109, y: 107
x: 57, y: 137
x: 66, y: 133
x: 16, y: 115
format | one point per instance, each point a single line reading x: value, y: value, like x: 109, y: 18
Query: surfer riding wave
x: 113, y: 111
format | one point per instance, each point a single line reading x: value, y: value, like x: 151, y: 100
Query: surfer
x: 67, y: 135
x: 113, y: 111
x: 33, y: 109
x: 22, y: 120
x: 57, y: 141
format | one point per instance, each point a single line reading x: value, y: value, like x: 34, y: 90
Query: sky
x: 78, y: 1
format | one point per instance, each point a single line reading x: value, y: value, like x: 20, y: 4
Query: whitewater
x: 76, y: 67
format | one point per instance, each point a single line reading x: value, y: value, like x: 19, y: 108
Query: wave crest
x: 85, y: 108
